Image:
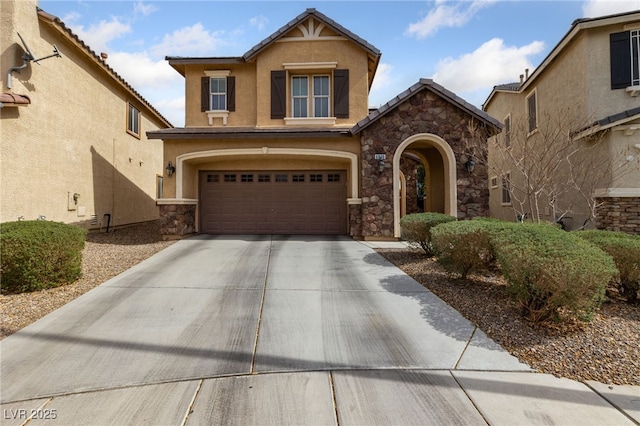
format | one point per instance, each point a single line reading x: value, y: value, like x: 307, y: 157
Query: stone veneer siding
x: 177, y: 220
x: 424, y: 112
x: 619, y: 214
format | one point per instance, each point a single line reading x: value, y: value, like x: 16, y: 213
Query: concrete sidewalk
x: 278, y: 330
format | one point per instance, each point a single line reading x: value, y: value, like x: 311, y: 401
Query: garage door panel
x: 263, y: 202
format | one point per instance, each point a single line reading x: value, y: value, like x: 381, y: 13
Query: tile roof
x: 611, y: 119
x: 12, y: 99
x: 425, y: 84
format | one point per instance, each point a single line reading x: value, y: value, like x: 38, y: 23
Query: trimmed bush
x: 416, y: 228
x: 39, y: 254
x: 463, y: 247
x: 552, y: 273
x: 625, y: 251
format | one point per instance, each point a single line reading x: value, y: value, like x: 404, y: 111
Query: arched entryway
x: 440, y: 167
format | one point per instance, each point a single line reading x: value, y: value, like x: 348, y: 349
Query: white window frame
x: 635, y: 57
x: 493, y: 182
x: 218, y: 94
x: 321, y: 96
x: 297, y: 97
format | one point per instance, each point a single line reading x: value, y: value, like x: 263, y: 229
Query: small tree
x: 554, y: 166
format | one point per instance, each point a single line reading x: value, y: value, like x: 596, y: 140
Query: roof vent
x: 104, y: 56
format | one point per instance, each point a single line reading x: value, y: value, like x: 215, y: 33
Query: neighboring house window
x: 532, y: 112
x: 507, y: 131
x: 159, y: 188
x: 625, y: 59
x: 133, y: 120
x: 506, y: 188
x: 494, y: 182
x: 300, y: 96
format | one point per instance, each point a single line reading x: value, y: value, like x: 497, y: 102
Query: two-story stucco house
x: 587, y: 89
x: 73, y: 132
x: 280, y: 140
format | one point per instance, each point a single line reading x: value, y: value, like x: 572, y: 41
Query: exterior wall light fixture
x: 380, y: 158
x: 470, y: 165
x: 170, y: 169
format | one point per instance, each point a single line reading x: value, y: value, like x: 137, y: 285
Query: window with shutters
x: 300, y: 96
x: 305, y: 106
x: 625, y: 61
x: 218, y: 95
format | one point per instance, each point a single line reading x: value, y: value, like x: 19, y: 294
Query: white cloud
x: 140, y: 8
x: 193, y: 40
x: 98, y: 36
x: 141, y: 71
x: 492, y: 63
x: 383, y: 85
x: 259, y: 22
x: 446, y: 14
x: 595, y: 8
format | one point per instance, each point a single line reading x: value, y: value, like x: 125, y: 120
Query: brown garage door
x: 268, y: 202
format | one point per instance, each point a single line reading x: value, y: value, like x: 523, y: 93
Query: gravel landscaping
x: 606, y: 350
x: 105, y: 255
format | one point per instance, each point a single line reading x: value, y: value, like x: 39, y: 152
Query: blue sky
x: 466, y: 46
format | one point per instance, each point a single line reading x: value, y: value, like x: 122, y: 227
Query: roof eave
x: 57, y: 24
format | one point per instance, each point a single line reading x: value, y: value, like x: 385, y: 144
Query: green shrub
x: 39, y: 254
x: 416, y: 228
x: 551, y: 272
x: 625, y: 250
x: 463, y: 247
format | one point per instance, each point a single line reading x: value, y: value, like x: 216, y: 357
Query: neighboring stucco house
x: 281, y: 141
x: 73, y: 133
x: 587, y: 89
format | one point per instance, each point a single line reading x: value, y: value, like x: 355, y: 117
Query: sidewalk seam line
x: 469, y: 397
x: 193, y: 401
x: 334, y: 399
x: 473, y: 333
x: 264, y: 292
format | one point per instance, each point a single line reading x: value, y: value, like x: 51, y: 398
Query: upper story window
x: 218, y: 95
x: 133, y: 120
x: 532, y: 112
x: 625, y: 59
x: 301, y: 104
x: 507, y: 131
x: 316, y: 97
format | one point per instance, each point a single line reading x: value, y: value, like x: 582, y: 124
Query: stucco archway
x: 426, y: 140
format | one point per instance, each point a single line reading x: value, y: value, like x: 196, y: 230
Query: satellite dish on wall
x: 27, y: 58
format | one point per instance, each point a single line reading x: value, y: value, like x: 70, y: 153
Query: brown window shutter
x: 231, y: 93
x: 204, y: 94
x: 278, y: 94
x: 620, y: 53
x: 341, y: 93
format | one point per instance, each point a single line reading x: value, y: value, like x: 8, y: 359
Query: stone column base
x: 619, y: 214
x: 177, y: 220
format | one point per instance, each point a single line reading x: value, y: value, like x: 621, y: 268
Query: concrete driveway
x: 276, y: 330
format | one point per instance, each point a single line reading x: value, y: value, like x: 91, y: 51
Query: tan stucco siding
x: 245, y: 112
x: 263, y: 161
x: 72, y: 138
x: 346, y: 55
